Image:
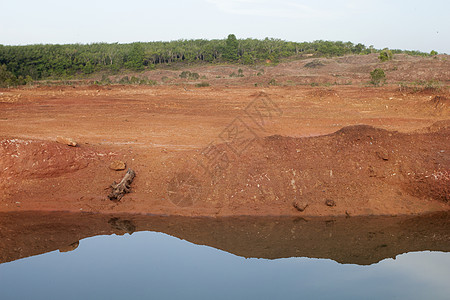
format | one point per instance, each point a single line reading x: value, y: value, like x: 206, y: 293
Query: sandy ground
x: 227, y: 150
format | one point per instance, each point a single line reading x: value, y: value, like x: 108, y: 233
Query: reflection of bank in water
x: 70, y: 247
x: 354, y: 240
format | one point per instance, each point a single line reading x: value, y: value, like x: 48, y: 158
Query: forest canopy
x: 75, y: 60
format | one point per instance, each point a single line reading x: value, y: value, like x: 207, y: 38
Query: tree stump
x: 123, y: 187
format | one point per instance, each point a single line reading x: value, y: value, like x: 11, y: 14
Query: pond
x: 235, y: 258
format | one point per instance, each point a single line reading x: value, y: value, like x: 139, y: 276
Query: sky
x: 412, y: 24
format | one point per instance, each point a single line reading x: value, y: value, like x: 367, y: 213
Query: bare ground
x: 233, y: 148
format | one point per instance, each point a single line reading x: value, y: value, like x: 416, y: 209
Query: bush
x: 105, y: 79
x: 433, y: 53
x: 189, y: 75
x: 377, y: 77
x: 124, y: 80
x: 385, y: 55
x: 314, y: 64
x: 194, y: 76
x: 273, y: 82
x: 134, y: 80
x: 150, y: 82
x: 202, y: 84
x: 7, y: 78
x: 185, y: 74
x: 430, y: 86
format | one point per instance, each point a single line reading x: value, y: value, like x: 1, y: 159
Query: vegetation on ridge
x: 20, y: 64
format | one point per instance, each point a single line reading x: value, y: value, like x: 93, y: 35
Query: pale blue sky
x: 414, y: 25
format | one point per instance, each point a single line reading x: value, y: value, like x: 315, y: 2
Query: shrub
x: 105, y: 79
x: 272, y: 82
x: 377, y: 77
x: 385, y: 55
x: 202, y: 84
x: 185, y: 74
x: 124, y: 80
x: 433, y: 53
x: 189, y: 75
x: 7, y: 78
x: 314, y: 64
x: 421, y: 86
x: 134, y: 80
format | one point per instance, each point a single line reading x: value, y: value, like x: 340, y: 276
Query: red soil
x: 223, y: 151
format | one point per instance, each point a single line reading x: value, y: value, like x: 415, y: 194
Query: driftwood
x: 123, y: 187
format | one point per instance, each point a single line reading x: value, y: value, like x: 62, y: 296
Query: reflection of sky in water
x: 154, y: 265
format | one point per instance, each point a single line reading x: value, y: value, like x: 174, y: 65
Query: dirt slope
x: 358, y: 170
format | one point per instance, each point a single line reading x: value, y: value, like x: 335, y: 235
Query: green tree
x: 88, y: 68
x: 377, y: 77
x: 7, y: 78
x: 433, y: 53
x: 358, y: 48
x: 135, y: 59
x: 231, y: 48
x: 65, y: 61
x: 248, y: 59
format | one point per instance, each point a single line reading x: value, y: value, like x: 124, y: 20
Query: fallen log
x: 123, y: 187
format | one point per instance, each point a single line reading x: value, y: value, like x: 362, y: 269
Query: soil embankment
x: 358, y: 170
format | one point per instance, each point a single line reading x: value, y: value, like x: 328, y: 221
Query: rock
x: 300, y: 205
x: 330, y: 202
x: 66, y: 141
x: 117, y: 165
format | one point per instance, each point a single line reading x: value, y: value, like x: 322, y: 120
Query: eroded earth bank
x: 227, y: 151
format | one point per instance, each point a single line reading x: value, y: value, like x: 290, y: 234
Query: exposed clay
x: 229, y: 150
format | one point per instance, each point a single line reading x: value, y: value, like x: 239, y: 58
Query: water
x: 154, y: 265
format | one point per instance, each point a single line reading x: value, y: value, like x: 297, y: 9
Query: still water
x: 154, y: 265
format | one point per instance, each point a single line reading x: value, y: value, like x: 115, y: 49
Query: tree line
x: 75, y: 60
